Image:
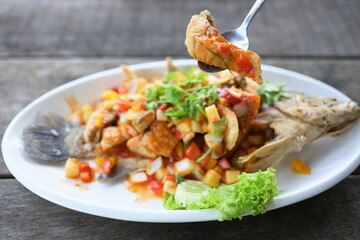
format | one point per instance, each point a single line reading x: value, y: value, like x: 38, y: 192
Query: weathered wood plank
x: 333, y: 214
x: 23, y: 80
x: 157, y: 27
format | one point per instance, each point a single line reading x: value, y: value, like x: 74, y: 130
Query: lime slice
x: 190, y: 191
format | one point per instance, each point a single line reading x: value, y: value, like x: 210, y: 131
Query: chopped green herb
x: 207, y: 152
x: 219, y: 127
x: 217, y: 55
x: 186, y: 97
x: 179, y: 178
x: 272, y: 92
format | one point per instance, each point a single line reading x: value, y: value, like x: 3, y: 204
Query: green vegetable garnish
x: 272, y: 92
x: 251, y: 194
x: 219, y: 127
x: 186, y: 97
x: 179, y: 178
x: 216, y: 55
x: 207, y: 152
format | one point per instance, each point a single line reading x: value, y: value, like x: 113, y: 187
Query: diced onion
x: 160, y: 115
x: 185, y: 166
x: 138, y: 177
x: 212, y: 141
x: 154, y: 165
x: 240, y: 109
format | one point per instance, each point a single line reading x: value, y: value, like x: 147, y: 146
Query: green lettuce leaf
x: 251, y: 194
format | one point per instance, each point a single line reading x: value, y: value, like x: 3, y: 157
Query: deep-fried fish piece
x: 297, y: 121
x: 205, y: 44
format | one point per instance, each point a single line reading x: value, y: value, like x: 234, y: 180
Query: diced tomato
x: 230, y: 97
x: 114, y: 89
x: 193, y: 151
x: 204, y: 162
x: 106, y: 166
x: 122, y: 89
x: 224, y: 163
x: 126, y: 154
x: 163, y: 107
x: 245, y: 66
x: 84, y: 167
x: 223, y: 48
x: 123, y: 104
x: 151, y: 178
x: 156, y: 187
x: 178, y: 133
x: 85, y: 176
x: 169, y: 178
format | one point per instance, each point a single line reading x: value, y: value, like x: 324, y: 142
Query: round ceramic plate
x: 330, y: 159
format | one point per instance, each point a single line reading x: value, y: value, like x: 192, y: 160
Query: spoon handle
x: 255, y: 8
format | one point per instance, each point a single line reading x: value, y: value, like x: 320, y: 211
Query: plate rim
x: 136, y: 215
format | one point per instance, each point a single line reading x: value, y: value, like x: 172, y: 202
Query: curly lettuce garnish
x: 251, y: 194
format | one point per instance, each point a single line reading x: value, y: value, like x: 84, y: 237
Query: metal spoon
x: 236, y: 36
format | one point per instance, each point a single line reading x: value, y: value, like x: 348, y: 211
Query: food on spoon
x: 205, y: 44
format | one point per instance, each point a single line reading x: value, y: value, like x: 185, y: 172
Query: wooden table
x: 44, y: 44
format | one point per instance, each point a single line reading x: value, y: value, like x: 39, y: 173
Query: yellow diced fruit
x: 184, y: 125
x: 222, y: 101
x: 170, y: 187
x: 99, y: 161
x: 137, y: 177
x: 110, y: 95
x: 131, y: 114
x: 185, y: 166
x: 160, y: 173
x: 299, y: 166
x: 211, y: 164
x: 72, y: 168
x: 212, y: 178
x: 218, y: 169
x: 137, y: 107
x: 231, y: 176
x: 212, y: 115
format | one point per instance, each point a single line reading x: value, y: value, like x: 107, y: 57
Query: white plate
x: 330, y: 159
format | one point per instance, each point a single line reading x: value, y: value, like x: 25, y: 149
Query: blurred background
x: 45, y: 43
x: 98, y: 28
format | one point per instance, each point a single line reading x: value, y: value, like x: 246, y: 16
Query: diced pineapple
x: 132, y: 115
x: 185, y: 166
x: 137, y: 177
x: 72, y: 168
x: 170, y: 187
x: 212, y: 115
x: 161, y: 173
x: 212, y: 178
x: 231, y: 176
x: 184, y: 125
x: 99, y: 161
x: 211, y: 164
x: 196, y: 126
x: 110, y: 95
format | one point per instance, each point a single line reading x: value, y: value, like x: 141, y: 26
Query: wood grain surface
x: 157, y: 27
x: 333, y: 214
x: 44, y: 44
